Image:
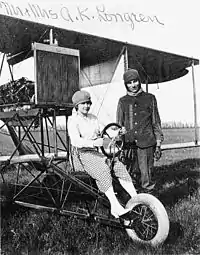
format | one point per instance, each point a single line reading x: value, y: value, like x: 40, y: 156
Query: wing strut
x: 195, y: 106
x: 2, y: 63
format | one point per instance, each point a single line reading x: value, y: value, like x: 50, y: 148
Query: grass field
x: 171, y: 135
x: 177, y: 173
x: 179, y: 135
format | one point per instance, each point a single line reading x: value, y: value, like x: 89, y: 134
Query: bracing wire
x: 91, y: 85
x: 29, y: 52
x: 108, y: 84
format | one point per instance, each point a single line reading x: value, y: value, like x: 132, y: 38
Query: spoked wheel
x: 149, y: 222
x: 112, y: 141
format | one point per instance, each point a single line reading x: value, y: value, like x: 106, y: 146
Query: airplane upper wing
x: 153, y: 65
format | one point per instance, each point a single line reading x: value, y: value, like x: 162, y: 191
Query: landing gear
x: 149, y: 222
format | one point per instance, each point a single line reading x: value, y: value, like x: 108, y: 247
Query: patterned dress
x: 83, y: 130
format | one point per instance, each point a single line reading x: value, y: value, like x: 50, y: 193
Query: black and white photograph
x: 99, y: 127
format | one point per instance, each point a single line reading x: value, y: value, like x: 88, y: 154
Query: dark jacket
x: 139, y: 115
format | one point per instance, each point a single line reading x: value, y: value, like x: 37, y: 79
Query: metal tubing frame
x: 27, y: 185
x: 124, y: 48
x: 89, y: 214
x: 11, y: 72
x: 147, y: 85
x: 106, y: 220
x: 53, y: 124
x: 195, y: 107
x: 2, y: 62
x: 125, y: 59
x: 81, y: 184
x: 47, y: 135
x: 26, y: 131
x: 30, y: 136
x: 42, y: 134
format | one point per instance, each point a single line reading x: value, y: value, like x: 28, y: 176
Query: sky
x: 176, y: 32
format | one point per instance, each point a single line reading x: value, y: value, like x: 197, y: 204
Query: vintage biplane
x: 40, y: 165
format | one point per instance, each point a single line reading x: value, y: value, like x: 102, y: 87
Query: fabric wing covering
x: 98, y: 56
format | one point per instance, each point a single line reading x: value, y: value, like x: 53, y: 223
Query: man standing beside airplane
x: 137, y: 113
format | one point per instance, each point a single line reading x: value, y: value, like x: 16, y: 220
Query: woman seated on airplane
x: 83, y: 130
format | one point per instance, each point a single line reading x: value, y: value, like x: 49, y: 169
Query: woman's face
x: 133, y: 86
x: 84, y: 108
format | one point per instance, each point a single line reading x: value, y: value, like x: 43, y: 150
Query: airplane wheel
x: 149, y: 223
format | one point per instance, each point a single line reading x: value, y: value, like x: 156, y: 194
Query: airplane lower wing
x: 32, y: 158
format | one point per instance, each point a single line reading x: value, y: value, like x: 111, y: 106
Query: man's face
x: 133, y: 86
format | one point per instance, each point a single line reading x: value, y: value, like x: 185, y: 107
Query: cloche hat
x: 81, y: 96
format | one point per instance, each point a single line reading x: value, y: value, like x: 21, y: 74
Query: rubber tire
x: 160, y: 214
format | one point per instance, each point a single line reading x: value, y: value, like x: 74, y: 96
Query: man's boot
x: 117, y: 209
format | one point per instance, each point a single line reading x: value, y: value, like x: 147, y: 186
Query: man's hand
x: 157, y: 153
x: 122, y: 131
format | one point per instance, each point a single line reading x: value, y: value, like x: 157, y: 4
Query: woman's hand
x: 98, y: 142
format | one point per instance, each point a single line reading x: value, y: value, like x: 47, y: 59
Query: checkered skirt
x: 95, y: 164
